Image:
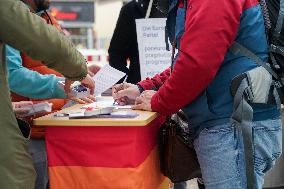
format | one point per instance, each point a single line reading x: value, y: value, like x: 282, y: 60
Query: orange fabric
x: 146, y: 175
x: 37, y: 66
x: 39, y: 132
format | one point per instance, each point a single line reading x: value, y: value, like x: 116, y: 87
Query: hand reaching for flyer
x: 92, y: 70
x: 87, y: 82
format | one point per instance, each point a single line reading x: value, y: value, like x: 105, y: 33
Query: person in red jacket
x: 201, y: 83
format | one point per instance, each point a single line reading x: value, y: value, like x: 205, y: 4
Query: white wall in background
x: 106, y: 14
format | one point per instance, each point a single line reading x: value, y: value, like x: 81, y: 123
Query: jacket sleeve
x: 210, y: 28
x: 29, y: 33
x: 28, y: 83
x: 156, y: 82
x: 119, y: 45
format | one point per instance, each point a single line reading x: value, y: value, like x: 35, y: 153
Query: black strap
x: 173, y: 54
x: 174, y: 45
x: 242, y: 117
x: 237, y: 48
x: 166, y: 39
x: 279, y: 24
x: 277, y: 49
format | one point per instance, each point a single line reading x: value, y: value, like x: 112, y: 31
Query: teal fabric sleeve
x: 28, y: 83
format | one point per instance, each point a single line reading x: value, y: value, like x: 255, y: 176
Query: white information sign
x: 154, y: 58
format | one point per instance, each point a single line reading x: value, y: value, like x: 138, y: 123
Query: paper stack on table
x: 106, y: 112
x: 43, y: 107
x: 103, y: 108
x: 106, y: 103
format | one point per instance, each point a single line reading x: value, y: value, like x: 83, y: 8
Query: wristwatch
x: 140, y: 88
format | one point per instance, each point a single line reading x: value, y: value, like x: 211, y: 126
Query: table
x: 103, y: 153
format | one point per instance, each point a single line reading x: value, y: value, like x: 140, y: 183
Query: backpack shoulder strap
x: 280, y: 19
x: 237, y: 48
x: 241, y: 118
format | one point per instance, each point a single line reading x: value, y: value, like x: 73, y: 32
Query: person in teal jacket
x: 33, y: 84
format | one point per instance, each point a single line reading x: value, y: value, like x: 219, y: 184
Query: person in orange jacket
x: 37, y: 81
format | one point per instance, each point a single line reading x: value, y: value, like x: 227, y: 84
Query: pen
x: 121, y: 86
x: 124, y: 80
x: 61, y: 115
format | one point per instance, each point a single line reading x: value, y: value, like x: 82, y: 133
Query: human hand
x: 143, y: 102
x: 20, y: 108
x: 87, y: 82
x: 93, y: 69
x: 125, y: 93
x: 85, y: 100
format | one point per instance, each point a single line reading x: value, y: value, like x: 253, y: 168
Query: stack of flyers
x: 43, y: 107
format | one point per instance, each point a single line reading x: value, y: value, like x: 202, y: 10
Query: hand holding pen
x: 125, y: 93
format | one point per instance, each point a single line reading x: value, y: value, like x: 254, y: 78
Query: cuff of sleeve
x: 156, y: 106
x: 144, y: 85
x: 82, y: 75
x: 140, y: 88
x: 155, y: 103
x: 58, y: 92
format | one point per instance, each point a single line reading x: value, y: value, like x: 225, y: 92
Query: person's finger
x: 144, y: 93
x: 89, y: 82
x: 123, y: 101
x: 87, y: 100
x: 91, y: 73
x: 25, y: 103
x: 117, y: 88
x: 92, y: 98
x: 94, y: 68
x: 21, y: 111
x: 138, y: 107
x: 91, y: 85
x: 120, y: 101
x: 114, y: 90
x: 22, y: 104
x: 122, y: 93
x: 139, y: 100
x: 78, y: 100
x: 67, y: 87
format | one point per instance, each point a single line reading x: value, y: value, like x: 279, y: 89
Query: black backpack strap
x: 274, y: 62
x: 280, y: 19
x: 237, y: 48
x: 277, y: 49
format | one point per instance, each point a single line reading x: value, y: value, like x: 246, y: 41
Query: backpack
x: 273, y: 14
x: 242, y: 116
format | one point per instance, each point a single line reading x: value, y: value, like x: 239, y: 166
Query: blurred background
x: 89, y: 24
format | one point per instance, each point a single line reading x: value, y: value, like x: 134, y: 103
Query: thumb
x: 22, y: 111
x: 122, y: 93
x: 67, y: 86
